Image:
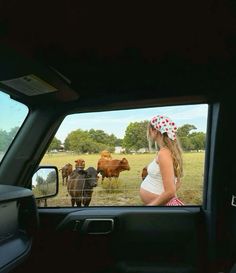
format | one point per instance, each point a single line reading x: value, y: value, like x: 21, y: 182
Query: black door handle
x: 98, y: 226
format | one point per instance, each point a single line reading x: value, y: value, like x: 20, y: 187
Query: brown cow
x: 65, y: 172
x: 80, y: 186
x: 106, y: 155
x: 112, y: 168
x: 80, y: 163
x: 144, y: 173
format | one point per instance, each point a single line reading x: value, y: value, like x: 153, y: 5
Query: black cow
x: 80, y: 186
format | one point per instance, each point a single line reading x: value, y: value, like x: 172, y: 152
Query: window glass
x: 120, y: 138
x: 12, y: 116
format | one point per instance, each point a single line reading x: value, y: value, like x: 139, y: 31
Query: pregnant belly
x: 147, y: 196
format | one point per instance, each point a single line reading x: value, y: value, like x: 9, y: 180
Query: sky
x: 112, y: 122
x: 12, y: 113
x: 116, y: 122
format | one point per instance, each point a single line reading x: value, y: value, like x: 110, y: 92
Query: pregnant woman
x: 165, y: 171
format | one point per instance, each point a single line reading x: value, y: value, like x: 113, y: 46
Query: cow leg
x: 87, y: 198
x: 87, y: 201
x: 103, y: 176
x: 109, y: 184
x: 116, y: 181
x: 45, y: 202
x: 84, y: 198
x: 73, y: 202
x: 78, y: 201
x: 66, y: 180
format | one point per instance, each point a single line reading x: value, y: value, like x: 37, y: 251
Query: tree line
x: 6, y: 138
x: 94, y: 141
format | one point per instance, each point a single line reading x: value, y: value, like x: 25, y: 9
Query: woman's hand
x: 162, y: 199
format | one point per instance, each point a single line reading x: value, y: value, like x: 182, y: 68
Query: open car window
x: 83, y: 139
x: 12, y: 116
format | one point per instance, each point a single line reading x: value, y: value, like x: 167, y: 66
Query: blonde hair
x: 175, y: 149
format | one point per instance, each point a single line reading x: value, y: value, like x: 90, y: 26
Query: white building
x: 119, y: 150
x: 143, y: 150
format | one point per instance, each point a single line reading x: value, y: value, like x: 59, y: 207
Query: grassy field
x: 125, y: 191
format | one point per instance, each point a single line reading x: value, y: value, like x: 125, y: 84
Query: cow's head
x: 125, y: 164
x: 91, y: 177
x: 80, y: 163
x: 106, y: 154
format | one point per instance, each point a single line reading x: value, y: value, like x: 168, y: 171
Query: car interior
x: 64, y: 57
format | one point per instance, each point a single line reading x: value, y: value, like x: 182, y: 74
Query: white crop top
x: 153, y: 181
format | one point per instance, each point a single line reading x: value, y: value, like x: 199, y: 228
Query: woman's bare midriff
x: 147, y: 196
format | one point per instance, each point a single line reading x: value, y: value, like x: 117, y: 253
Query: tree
x: 136, y: 136
x: 186, y: 143
x: 4, y: 140
x: 51, y: 177
x: 41, y: 186
x: 81, y: 142
x: 75, y: 140
x: 111, y: 141
x: 51, y: 183
x: 119, y: 142
x: 100, y: 136
x: 191, y: 141
x: 13, y: 133
x: 55, y: 144
x: 198, y: 140
x: 186, y: 137
x: 40, y: 180
x: 185, y: 130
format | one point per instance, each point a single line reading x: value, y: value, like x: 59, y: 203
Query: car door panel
x: 142, y: 240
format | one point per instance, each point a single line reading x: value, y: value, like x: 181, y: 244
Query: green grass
x: 125, y: 190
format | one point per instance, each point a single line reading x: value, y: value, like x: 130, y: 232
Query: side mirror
x: 45, y: 182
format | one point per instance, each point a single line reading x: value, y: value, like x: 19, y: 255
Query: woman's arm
x: 167, y: 173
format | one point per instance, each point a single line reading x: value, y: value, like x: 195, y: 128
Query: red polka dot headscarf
x: 164, y: 125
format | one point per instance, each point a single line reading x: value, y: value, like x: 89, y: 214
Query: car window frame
x: 207, y: 158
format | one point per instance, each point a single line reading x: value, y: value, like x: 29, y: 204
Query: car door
x: 119, y: 239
